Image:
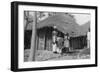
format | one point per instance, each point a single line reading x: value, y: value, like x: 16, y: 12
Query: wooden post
x: 33, y: 38
x: 45, y: 48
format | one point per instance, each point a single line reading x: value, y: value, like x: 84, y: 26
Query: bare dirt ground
x: 44, y: 55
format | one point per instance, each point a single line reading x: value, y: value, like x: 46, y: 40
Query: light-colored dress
x: 54, y: 47
x: 66, y: 43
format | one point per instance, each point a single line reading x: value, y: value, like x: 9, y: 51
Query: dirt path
x: 44, y: 55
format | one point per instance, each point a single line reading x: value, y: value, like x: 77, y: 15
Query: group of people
x: 60, y: 45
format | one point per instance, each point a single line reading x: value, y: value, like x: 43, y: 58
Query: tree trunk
x: 33, y: 39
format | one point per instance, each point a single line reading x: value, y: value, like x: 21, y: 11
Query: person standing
x: 88, y: 39
x: 54, y: 38
x: 59, y: 44
x: 66, y: 42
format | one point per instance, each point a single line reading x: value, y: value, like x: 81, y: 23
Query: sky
x: 82, y: 18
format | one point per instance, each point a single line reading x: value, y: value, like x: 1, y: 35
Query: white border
x: 22, y: 64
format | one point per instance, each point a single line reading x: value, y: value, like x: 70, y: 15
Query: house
x: 65, y: 23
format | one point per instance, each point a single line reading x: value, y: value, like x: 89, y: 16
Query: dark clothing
x: 65, y: 50
x: 60, y: 43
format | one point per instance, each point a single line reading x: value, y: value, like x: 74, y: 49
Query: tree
x: 33, y: 38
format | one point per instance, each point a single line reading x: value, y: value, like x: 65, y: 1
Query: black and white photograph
x: 53, y: 36
x: 59, y: 36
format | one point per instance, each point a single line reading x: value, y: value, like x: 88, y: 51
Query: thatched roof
x: 63, y: 22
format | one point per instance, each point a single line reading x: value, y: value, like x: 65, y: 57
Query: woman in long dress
x: 59, y: 44
x: 65, y: 49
